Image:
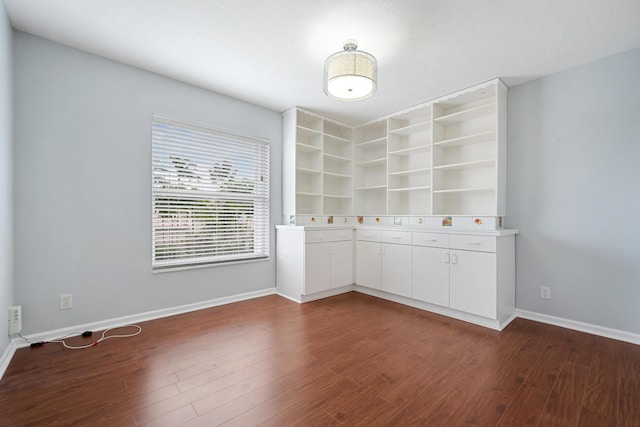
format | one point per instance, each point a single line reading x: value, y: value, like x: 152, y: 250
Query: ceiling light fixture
x: 350, y: 75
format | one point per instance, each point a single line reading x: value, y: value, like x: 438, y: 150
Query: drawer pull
x: 473, y: 243
x: 396, y: 237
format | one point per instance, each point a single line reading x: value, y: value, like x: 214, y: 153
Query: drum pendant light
x: 350, y: 75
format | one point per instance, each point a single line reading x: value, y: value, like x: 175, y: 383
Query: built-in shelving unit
x: 444, y: 157
x: 468, y: 137
x: 338, y: 169
x: 370, y: 168
x: 409, y: 157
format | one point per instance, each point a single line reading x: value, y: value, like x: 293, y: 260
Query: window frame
x: 226, y: 195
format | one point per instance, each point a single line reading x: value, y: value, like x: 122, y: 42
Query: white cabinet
x: 368, y: 258
x: 473, y: 283
x: 396, y: 268
x: 467, y: 276
x: 383, y: 260
x: 313, y: 261
x: 430, y: 268
x: 469, y: 273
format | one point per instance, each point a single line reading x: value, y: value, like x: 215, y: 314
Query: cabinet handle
x: 473, y: 243
x: 454, y: 259
x: 396, y: 238
x: 431, y: 240
x: 446, y: 257
x: 384, y: 251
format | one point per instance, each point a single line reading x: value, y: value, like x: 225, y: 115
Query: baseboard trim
x: 443, y: 311
x: 6, y: 357
x: 589, y: 328
x: 142, y: 317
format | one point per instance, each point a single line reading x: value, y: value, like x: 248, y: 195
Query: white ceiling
x: 272, y: 52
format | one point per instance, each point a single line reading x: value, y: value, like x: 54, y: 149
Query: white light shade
x: 350, y: 75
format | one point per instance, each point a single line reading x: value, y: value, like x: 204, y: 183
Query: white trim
x: 6, y: 357
x: 143, y: 317
x: 444, y: 311
x: 589, y: 328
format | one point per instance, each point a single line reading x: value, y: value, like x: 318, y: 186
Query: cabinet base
x: 498, y: 324
x: 319, y: 295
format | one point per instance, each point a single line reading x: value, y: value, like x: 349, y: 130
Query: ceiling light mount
x: 350, y: 75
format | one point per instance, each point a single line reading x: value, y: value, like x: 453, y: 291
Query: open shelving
x: 443, y: 157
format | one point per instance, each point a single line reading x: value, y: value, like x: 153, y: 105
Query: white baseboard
x: 444, y: 311
x: 589, y: 328
x: 141, y: 317
x: 6, y: 357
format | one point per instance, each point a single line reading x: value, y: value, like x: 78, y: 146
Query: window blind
x: 210, y: 195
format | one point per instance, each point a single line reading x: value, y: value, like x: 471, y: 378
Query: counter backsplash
x: 480, y: 222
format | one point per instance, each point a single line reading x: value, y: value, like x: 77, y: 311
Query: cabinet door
x: 430, y: 275
x: 341, y: 264
x: 317, y: 268
x: 368, y: 264
x: 473, y: 282
x: 396, y: 269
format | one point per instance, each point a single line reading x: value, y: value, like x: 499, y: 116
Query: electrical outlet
x: 15, y: 319
x: 65, y: 302
x: 545, y: 292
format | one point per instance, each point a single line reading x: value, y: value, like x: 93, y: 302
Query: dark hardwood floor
x: 347, y: 360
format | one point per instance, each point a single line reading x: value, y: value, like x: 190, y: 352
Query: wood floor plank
x: 351, y: 359
x: 565, y: 401
x: 525, y: 408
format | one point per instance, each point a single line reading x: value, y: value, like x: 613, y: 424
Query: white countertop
x: 424, y: 229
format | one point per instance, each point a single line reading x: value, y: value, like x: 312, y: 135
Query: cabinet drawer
x: 341, y: 235
x: 369, y: 235
x: 316, y: 236
x: 435, y: 240
x: 473, y: 242
x: 399, y: 237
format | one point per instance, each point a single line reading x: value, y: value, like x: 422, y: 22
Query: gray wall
x: 83, y: 186
x: 6, y: 172
x: 573, y: 191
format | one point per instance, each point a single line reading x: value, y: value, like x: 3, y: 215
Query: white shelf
x: 336, y: 196
x: 307, y: 130
x: 466, y: 140
x: 426, y: 187
x: 336, y: 139
x: 337, y: 158
x: 372, y: 142
x: 371, y: 187
x: 337, y: 175
x: 306, y: 147
x: 409, y: 151
x: 410, y: 172
x: 307, y: 171
x: 373, y: 162
x: 446, y: 155
x: 470, y: 114
x: 465, y: 165
x: 464, y: 190
x: 412, y: 129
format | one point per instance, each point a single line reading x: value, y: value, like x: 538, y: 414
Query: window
x: 210, y: 195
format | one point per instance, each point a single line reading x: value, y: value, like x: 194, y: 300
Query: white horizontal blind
x: 210, y: 195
